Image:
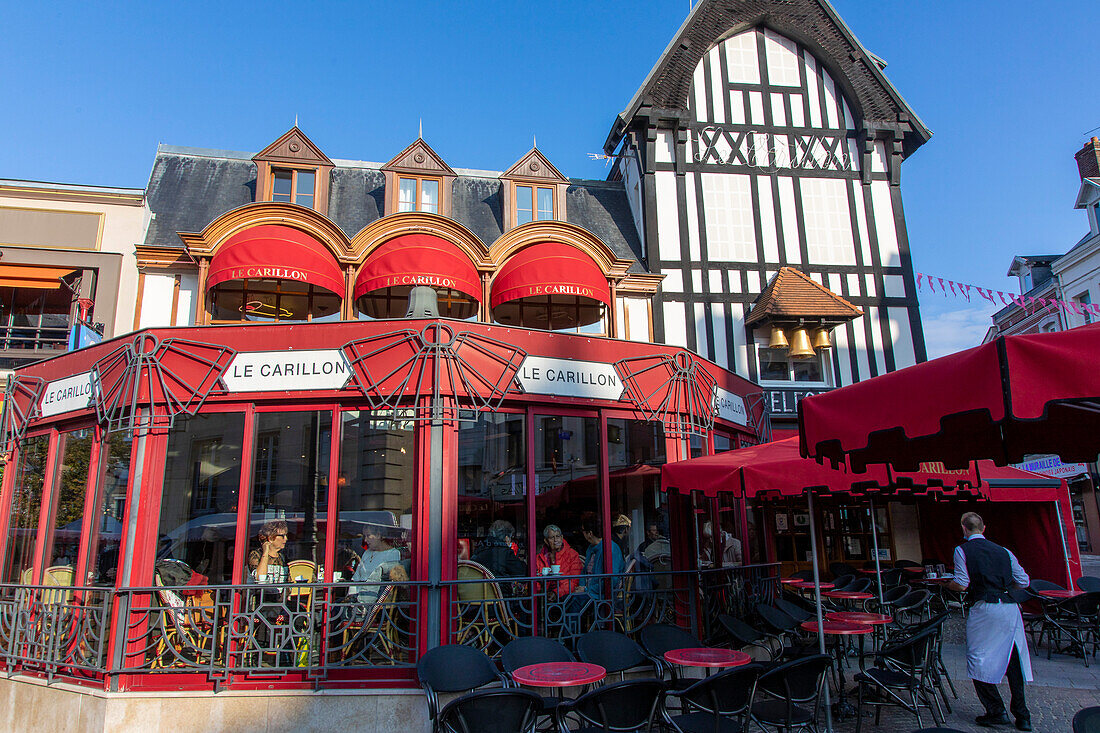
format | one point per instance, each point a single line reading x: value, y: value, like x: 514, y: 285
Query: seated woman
x: 381, y: 561
x: 556, y: 551
x: 267, y: 564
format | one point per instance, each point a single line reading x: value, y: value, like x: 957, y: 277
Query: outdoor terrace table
x: 559, y: 674
x: 839, y: 629
x: 707, y: 657
x: 876, y: 620
x: 848, y: 596
x: 789, y: 581
x: 1060, y: 595
x: 809, y: 585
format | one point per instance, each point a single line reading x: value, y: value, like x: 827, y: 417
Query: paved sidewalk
x: 1062, y: 686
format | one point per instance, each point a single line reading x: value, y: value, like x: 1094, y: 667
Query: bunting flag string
x: 1027, y: 302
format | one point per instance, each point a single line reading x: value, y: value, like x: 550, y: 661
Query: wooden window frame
x: 398, y: 177
x: 551, y: 187
x: 269, y: 192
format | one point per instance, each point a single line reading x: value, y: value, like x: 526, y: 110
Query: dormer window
x: 534, y: 190
x: 294, y: 186
x: 418, y: 194
x: 534, y: 203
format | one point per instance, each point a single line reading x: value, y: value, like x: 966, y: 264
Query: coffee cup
x: 546, y: 571
x: 556, y: 569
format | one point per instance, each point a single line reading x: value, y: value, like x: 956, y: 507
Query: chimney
x: 1088, y: 159
x: 423, y: 303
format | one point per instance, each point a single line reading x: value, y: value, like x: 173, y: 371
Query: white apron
x: 991, y: 631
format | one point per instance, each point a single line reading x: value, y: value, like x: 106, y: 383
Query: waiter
x: 995, y: 641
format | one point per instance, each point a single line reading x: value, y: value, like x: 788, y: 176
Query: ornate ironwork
x: 143, y: 385
x: 675, y: 389
x: 461, y: 374
x: 55, y: 630
x: 22, y: 403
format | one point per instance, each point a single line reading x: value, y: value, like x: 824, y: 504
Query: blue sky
x: 90, y: 89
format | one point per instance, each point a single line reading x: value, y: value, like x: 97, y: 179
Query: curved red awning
x: 419, y: 259
x: 274, y: 252
x: 549, y: 268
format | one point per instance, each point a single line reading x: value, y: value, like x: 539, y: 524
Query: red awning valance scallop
x: 419, y: 259
x: 274, y: 252
x: 550, y: 268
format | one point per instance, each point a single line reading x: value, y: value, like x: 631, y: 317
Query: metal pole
x: 817, y: 605
x: 433, y: 623
x: 1065, y: 548
x: 874, y: 541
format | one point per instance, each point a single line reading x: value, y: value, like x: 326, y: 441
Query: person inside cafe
x: 556, y: 557
x: 497, y: 554
x: 593, y: 558
x: 731, y: 549
x: 266, y: 564
x: 620, y: 532
x: 652, y: 534
x: 381, y: 561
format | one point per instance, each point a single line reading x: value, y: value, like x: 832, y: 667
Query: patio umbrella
x: 1014, y: 396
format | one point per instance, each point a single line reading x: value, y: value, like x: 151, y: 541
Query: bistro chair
x: 58, y: 576
x: 936, y: 667
x: 370, y: 628
x: 630, y: 705
x: 743, y: 635
x: 793, y: 610
x: 1074, y: 626
x: 1087, y: 720
x: 1038, y: 584
x: 454, y: 668
x: 717, y: 703
x: 1032, y: 612
x: 840, y: 569
x: 483, y: 614
x: 902, y: 678
x: 912, y: 609
x: 842, y: 582
x: 1088, y: 583
x: 614, y: 652
x: 657, y: 639
x: 184, y: 634
x: 491, y: 711
x: 793, y: 694
x: 535, y: 650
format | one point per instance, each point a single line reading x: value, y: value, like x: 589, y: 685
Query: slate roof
x: 190, y: 187
x: 791, y: 294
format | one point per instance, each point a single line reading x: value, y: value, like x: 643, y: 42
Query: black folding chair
x: 491, y: 711
x: 527, y: 650
x: 1087, y: 720
x: 614, y: 652
x: 1074, y: 625
x: 718, y: 703
x: 454, y: 668
x: 630, y: 705
x: 795, y: 611
x: 793, y: 690
x: 902, y: 671
x: 937, y: 668
x: 657, y: 639
x: 744, y: 635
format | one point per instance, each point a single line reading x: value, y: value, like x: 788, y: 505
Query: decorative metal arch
x: 464, y: 373
x: 22, y: 403
x: 130, y: 382
x: 675, y: 389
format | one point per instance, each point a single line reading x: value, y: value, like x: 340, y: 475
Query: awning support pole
x: 1065, y: 547
x: 874, y: 542
x: 817, y: 605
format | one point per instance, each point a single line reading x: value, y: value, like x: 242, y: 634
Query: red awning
x: 420, y: 259
x: 1016, y: 395
x: 274, y: 252
x: 549, y: 268
x: 777, y: 468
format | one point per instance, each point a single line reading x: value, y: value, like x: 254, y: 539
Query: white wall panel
x: 756, y: 108
x: 894, y: 286
x: 832, y: 113
x: 843, y: 349
x: 740, y: 349
x: 728, y: 215
x: 663, y: 145
x: 878, y: 158
x: 675, y: 324
x: 779, y: 113
x: 699, y: 88
x: 620, y: 317
x: 637, y: 317
x: 156, y: 301
x: 692, y: 211
x: 889, y: 254
x: 811, y: 90
x: 742, y: 62
x: 189, y: 289
x: 828, y: 221
x: 863, y: 364
x: 737, y: 107
x: 673, y: 282
x: 696, y: 281
x: 767, y: 218
x: 902, y: 335
x: 788, y: 220
x: 798, y: 112
x: 718, y: 318
x: 782, y: 59
x: 875, y: 314
x: 854, y: 288
x: 857, y: 190
x: 715, y: 281
x: 701, y: 343
x: 668, y: 216
x: 716, y: 85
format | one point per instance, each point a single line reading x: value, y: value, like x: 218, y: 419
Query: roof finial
x: 420, y: 133
x: 534, y: 141
x: 295, y: 119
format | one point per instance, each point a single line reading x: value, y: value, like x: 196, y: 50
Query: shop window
x: 105, y: 533
x: 272, y: 301
x: 418, y: 194
x: 290, y: 455
x: 846, y: 533
x: 567, y: 485
x: 639, y: 509
x: 492, y: 486
x: 1085, y: 300
x: 294, y: 186
x: 35, y: 318
x: 534, y: 203
x: 30, y: 475
x: 791, y: 530
x: 74, y: 449
x: 203, y: 458
x: 555, y: 313
x: 723, y: 443
x: 376, y: 498
x: 776, y: 365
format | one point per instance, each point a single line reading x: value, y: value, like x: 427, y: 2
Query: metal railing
x: 314, y: 632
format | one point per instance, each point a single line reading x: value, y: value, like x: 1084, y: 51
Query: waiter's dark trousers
x: 991, y: 698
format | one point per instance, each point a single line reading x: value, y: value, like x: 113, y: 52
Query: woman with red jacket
x: 556, y: 551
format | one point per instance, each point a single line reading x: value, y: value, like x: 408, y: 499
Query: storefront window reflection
x: 567, y: 485
x: 67, y: 511
x: 639, y: 509
x: 198, y: 506
x: 106, y: 530
x: 26, y: 503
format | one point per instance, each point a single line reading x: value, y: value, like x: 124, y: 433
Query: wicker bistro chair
x: 184, y: 634
x: 484, y: 619
x: 491, y: 711
x: 718, y: 703
x: 369, y: 628
x: 454, y: 668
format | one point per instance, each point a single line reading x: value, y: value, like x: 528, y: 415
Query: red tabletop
x: 913, y: 569
x: 559, y: 674
x: 871, y: 571
x: 848, y: 595
x: 935, y: 581
x: 859, y: 617
x: 838, y: 627
x: 707, y: 657
x: 1061, y: 594
x: 788, y: 581
x: 810, y: 584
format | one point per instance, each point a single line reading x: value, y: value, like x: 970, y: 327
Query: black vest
x: 990, y: 569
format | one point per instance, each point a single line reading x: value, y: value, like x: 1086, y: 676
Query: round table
x: 559, y: 674
x: 707, y: 657
x: 1061, y: 595
x: 809, y: 585
x: 848, y: 595
x: 788, y: 581
x: 859, y: 617
x: 841, y: 628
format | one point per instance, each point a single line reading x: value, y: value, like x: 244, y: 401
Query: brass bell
x: 821, y: 339
x: 800, y: 345
x: 778, y: 339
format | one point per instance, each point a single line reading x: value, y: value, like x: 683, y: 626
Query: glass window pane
x: 198, y: 506
x: 639, y: 509
x: 106, y: 530
x: 808, y: 370
x: 524, y: 205
x: 546, y: 203
x: 722, y: 443
x: 26, y: 503
x: 406, y: 194
x: 492, y: 487
x: 290, y: 461
x: 303, y: 188
x: 67, y: 510
x: 429, y: 196
x: 281, y: 185
x: 774, y: 364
